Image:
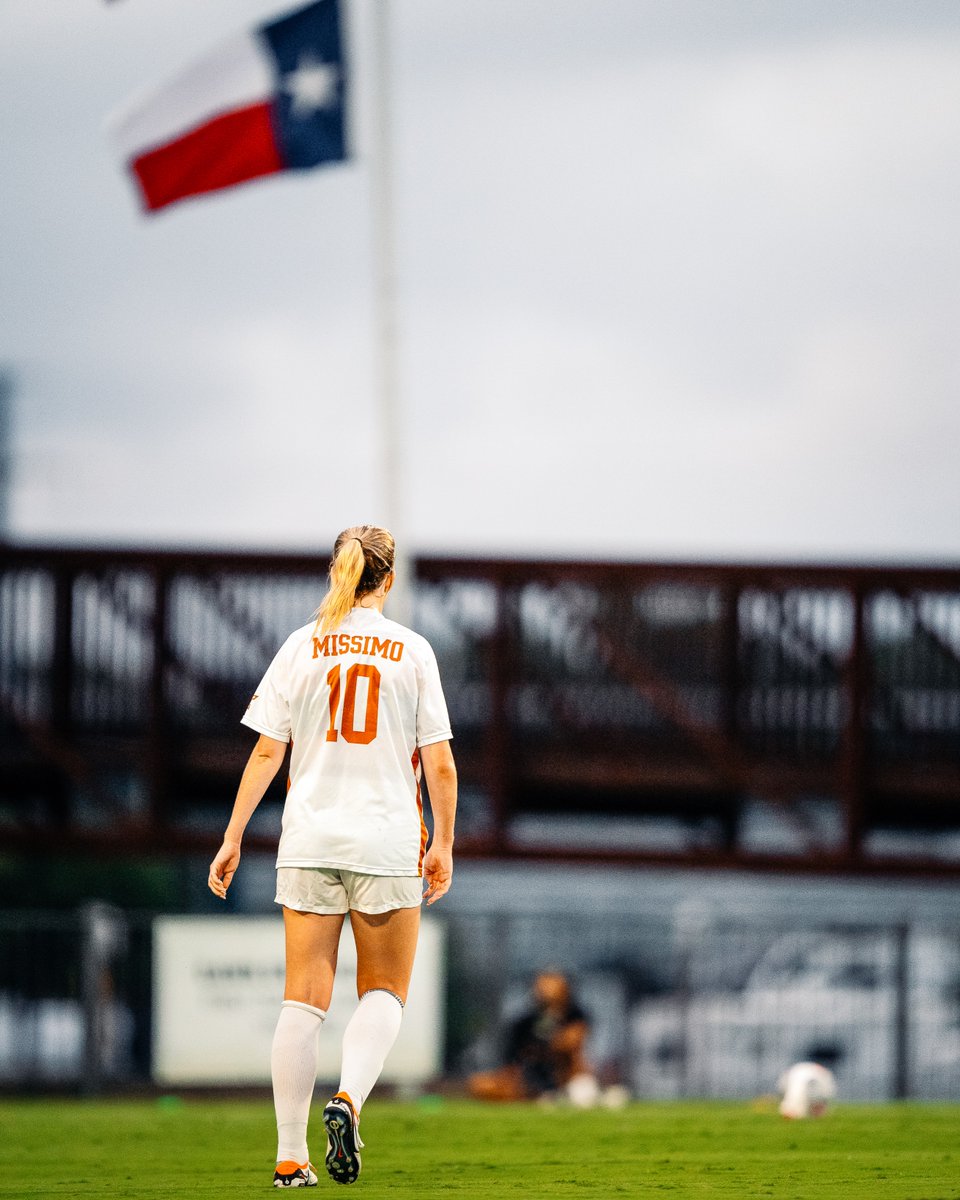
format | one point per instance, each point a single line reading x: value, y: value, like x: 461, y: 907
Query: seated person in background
x: 545, y: 1050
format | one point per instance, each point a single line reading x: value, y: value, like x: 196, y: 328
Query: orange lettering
x: 363, y: 736
x: 371, y: 716
x: 333, y: 679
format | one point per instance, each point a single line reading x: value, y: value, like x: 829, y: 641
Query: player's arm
x: 570, y: 1039
x: 263, y: 764
x: 441, y: 775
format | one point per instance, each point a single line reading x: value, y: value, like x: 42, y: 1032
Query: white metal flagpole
x: 389, y: 422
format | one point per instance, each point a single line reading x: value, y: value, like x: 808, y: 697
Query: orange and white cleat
x: 291, y: 1174
x: 343, y: 1139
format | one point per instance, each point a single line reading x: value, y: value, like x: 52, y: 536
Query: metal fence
x: 626, y: 690
x: 691, y: 1007
x: 879, y: 1006
x: 665, y: 688
x: 699, y: 1009
x: 75, y: 999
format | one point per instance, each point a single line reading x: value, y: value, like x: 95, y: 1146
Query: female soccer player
x: 359, y: 699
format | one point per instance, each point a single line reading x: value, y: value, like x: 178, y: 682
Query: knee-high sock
x: 293, y: 1064
x: 367, y: 1040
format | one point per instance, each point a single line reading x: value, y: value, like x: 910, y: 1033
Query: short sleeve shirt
x: 530, y: 1046
x: 356, y: 704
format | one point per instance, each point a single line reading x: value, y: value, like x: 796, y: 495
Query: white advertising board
x: 217, y: 986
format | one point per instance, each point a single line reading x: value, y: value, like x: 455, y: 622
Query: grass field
x: 225, y: 1149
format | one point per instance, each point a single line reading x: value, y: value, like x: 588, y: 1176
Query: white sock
x: 293, y: 1064
x: 367, y: 1040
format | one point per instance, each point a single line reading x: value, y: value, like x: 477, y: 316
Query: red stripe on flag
x: 227, y: 150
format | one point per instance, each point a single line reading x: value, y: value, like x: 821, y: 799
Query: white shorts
x: 335, y: 890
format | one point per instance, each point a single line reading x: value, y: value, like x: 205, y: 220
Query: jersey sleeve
x: 269, y: 710
x: 433, y: 721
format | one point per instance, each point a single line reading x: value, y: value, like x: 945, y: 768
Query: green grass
x: 225, y: 1149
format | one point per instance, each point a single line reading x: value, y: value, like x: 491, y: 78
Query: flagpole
x: 386, y: 351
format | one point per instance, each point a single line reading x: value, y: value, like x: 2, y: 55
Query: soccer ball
x: 807, y: 1089
x: 583, y: 1091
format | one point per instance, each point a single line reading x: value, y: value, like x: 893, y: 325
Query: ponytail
x: 346, y: 571
x: 362, y: 559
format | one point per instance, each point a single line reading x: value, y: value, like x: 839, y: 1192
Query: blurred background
x: 674, y: 291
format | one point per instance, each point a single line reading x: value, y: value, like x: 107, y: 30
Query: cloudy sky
x: 674, y: 280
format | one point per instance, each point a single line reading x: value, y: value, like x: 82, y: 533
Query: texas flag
x: 267, y: 100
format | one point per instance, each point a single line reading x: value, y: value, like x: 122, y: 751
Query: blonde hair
x: 362, y: 559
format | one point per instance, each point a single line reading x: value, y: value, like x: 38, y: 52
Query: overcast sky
x: 675, y: 280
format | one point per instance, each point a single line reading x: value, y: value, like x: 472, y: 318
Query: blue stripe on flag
x: 309, y: 110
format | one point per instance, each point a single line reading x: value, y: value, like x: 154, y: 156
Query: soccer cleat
x: 343, y: 1139
x: 291, y: 1174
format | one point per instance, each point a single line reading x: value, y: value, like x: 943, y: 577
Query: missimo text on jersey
x: 345, y: 643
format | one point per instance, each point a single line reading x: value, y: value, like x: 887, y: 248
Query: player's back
x: 359, y: 699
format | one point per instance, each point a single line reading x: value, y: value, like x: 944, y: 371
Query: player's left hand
x: 437, y: 873
x: 223, y: 868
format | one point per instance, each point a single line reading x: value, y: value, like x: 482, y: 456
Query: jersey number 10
x: 348, y: 719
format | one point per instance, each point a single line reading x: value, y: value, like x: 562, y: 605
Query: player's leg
x: 386, y: 945
x: 502, y: 1083
x: 312, y: 940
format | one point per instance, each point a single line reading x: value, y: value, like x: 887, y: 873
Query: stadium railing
x: 680, y: 1007
x: 609, y: 711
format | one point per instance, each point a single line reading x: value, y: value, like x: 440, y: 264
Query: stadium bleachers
x: 638, y: 698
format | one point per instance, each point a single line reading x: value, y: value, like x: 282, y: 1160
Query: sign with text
x: 217, y: 986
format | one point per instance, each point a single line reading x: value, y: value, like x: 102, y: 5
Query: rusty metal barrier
x: 583, y: 696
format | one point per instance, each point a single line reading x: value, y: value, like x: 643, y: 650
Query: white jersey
x: 356, y: 704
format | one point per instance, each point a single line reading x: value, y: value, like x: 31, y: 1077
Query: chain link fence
x: 688, y: 1006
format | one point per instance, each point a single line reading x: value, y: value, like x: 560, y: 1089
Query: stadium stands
x: 643, y: 697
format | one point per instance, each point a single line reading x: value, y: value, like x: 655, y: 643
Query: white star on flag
x: 312, y: 86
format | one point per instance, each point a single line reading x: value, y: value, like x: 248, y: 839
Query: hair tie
x: 356, y: 539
